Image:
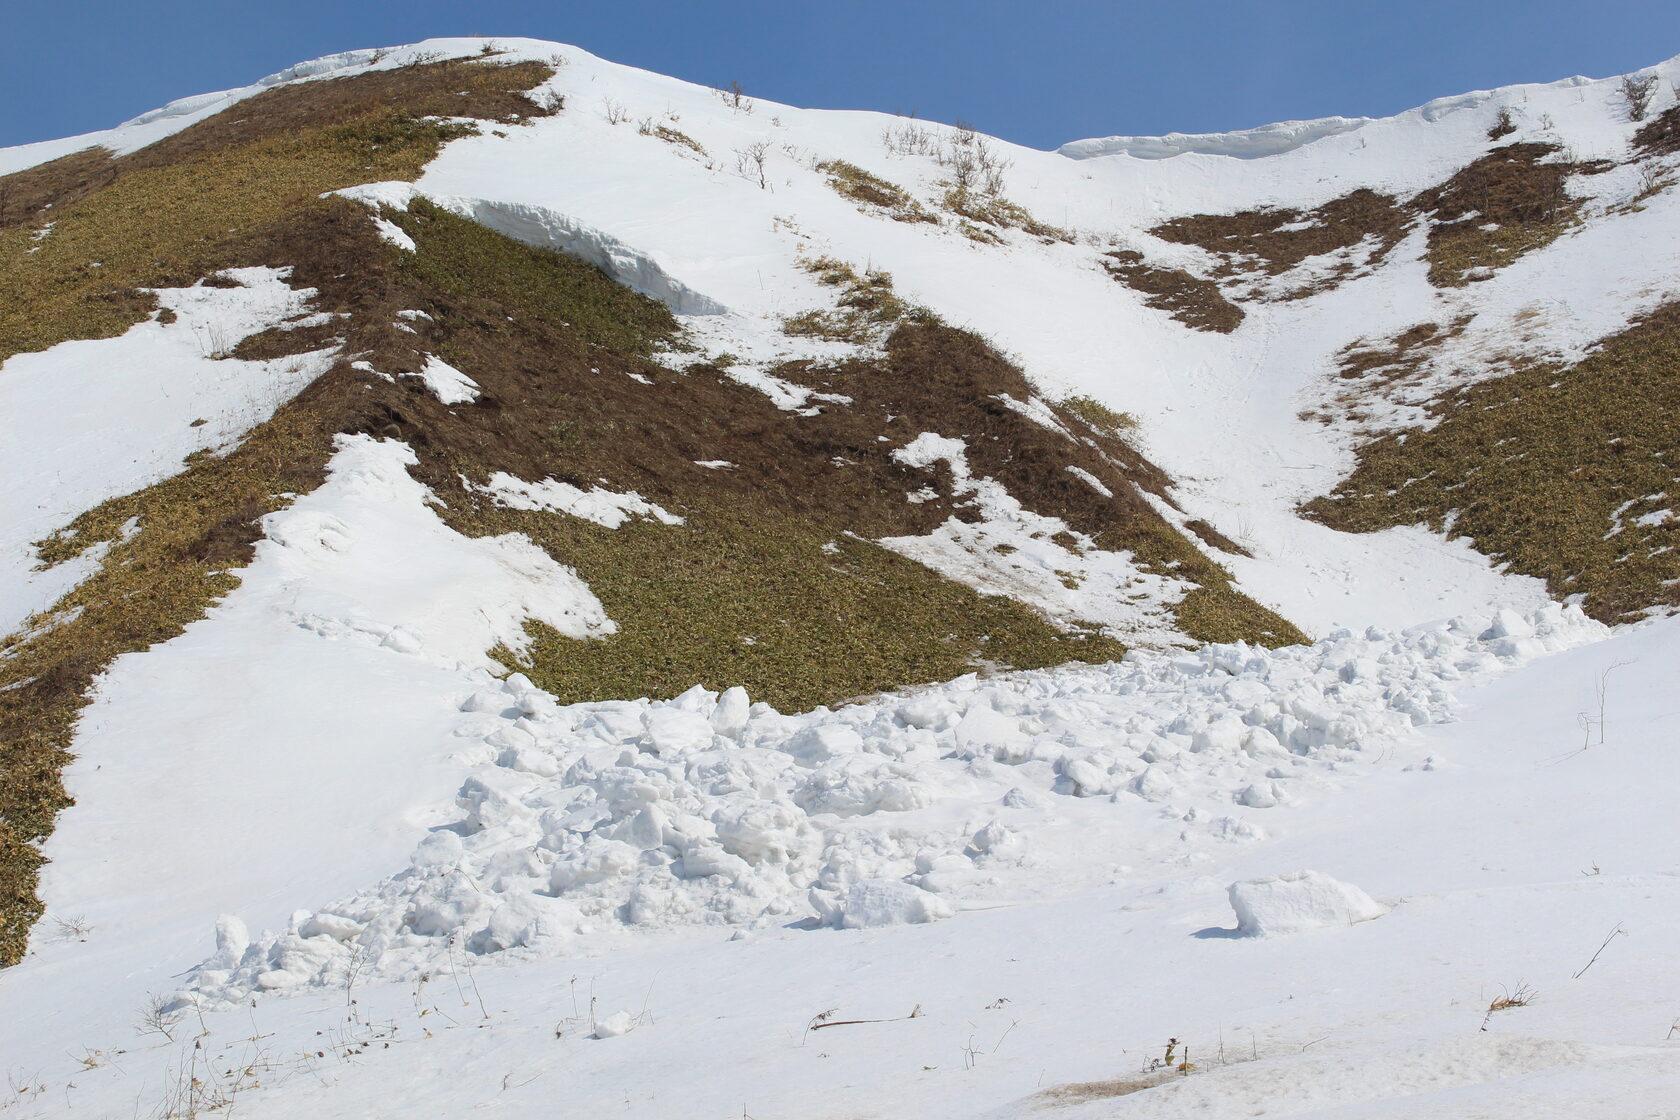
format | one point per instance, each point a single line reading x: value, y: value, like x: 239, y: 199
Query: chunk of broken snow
x: 873, y: 903
x: 393, y: 234
x: 614, y: 1025
x: 1299, y: 901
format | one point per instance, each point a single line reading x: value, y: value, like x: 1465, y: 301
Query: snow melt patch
x: 447, y: 383
x: 367, y: 557
x: 597, y: 504
x: 87, y: 421
x: 1012, y: 551
x: 1299, y: 901
x: 707, y: 809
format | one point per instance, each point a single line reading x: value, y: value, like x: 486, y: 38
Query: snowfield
x: 328, y: 860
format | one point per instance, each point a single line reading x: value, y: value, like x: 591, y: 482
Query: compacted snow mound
x: 1299, y: 901
x: 707, y: 809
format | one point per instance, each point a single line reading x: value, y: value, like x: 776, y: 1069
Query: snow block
x: 887, y: 902
x: 1299, y: 901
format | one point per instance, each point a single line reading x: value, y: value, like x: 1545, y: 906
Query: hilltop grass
x: 166, y: 223
x: 1547, y: 471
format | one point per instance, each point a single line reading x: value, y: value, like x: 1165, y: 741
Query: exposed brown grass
x: 1000, y: 214
x: 1507, y: 203
x: 1660, y: 136
x: 161, y: 215
x: 1372, y: 370
x: 1083, y: 1092
x: 873, y: 194
x: 1099, y: 416
x: 1261, y: 243
x: 1533, y: 468
x: 867, y: 305
x: 1193, y: 300
x: 679, y: 139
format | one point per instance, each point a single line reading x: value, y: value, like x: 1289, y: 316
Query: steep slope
x: 902, y: 506
x: 330, y: 401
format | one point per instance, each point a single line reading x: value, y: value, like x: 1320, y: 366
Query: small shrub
x: 1503, y: 125
x: 736, y: 98
x: 548, y: 101
x: 750, y: 162
x: 614, y: 111
x: 1637, y: 91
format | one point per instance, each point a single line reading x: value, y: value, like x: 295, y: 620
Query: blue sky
x: 1037, y: 74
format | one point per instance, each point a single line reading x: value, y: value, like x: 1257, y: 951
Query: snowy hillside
x: 535, y: 585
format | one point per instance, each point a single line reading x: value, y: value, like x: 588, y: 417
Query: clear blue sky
x: 1036, y: 73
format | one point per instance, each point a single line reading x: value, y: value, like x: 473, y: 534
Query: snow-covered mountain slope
x: 328, y: 401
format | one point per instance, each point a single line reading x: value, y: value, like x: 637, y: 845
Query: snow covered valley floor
x: 1516, y: 844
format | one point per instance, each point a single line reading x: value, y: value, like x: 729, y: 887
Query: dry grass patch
x: 873, y: 194
x: 1559, y: 473
x: 1660, y: 136
x: 1099, y: 416
x: 1271, y: 242
x: 998, y: 213
x: 868, y: 305
x: 679, y: 139
x: 1192, y: 300
x: 1510, y: 202
x: 163, y: 215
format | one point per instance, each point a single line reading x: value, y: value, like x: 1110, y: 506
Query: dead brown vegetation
x: 1509, y: 202
x: 1192, y: 300
x: 874, y: 194
x: 1660, y: 136
x: 1271, y: 242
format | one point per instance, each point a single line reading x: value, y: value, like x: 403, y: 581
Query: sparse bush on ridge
x: 1637, y: 90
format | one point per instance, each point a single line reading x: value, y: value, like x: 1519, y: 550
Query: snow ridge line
x: 710, y: 810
